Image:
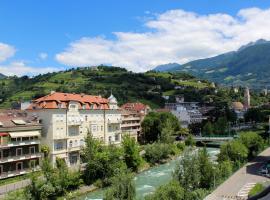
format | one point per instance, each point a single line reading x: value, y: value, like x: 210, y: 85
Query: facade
x: 19, y: 144
x: 68, y: 118
x: 132, y: 114
x: 186, y: 112
x: 131, y: 123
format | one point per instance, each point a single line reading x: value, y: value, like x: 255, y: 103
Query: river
x: 147, y: 181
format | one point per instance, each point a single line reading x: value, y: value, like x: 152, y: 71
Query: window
x: 32, y: 150
x: 94, y: 128
x: 73, y: 131
x: 83, y: 107
x: 110, y: 139
x: 1, y: 169
x: 101, y: 128
x: 19, y: 166
x: 76, y: 143
x: 81, y: 142
x: 1, y: 154
x: 73, y: 159
x: 19, y: 151
x: 117, y: 137
x: 70, y: 143
x: 32, y: 164
x: 58, y: 145
x: 86, y: 118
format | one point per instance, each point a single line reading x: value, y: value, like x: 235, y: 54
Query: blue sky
x: 41, y: 36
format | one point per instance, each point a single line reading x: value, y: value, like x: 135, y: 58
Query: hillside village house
x: 68, y: 118
x: 132, y: 117
x: 19, y: 143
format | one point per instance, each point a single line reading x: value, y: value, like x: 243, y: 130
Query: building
x: 186, y: 112
x: 136, y: 111
x: 68, y: 118
x: 247, y: 99
x: 239, y: 109
x: 137, y: 107
x: 19, y: 144
x: 131, y: 123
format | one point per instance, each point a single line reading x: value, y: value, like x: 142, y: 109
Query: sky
x: 44, y: 36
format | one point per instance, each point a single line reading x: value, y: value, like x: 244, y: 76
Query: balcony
x: 17, y: 172
x: 131, y: 119
x: 20, y: 143
x: 74, y: 148
x: 130, y: 125
x: 114, y: 121
x: 17, y: 158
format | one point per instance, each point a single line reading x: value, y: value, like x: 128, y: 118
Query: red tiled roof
x: 135, y: 106
x: 61, y: 100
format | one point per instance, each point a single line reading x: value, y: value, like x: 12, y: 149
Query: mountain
x: 167, y: 67
x: 2, y: 76
x: 249, y: 65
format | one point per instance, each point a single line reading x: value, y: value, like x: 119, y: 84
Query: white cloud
x: 174, y: 36
x: 20, y: 69
x: 6, y: 51
x: 43, y: 56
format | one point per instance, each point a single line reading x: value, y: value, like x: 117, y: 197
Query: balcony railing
x: 130, y: 125
x: 114, y: 121
x: 17, y: 172
x: 20, y: 143
x: 21, y: 157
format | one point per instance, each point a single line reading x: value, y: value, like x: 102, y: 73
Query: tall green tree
x: 123, y: 188
x: 206, y: 168
x: 208, y: 129
x: 132, y: 156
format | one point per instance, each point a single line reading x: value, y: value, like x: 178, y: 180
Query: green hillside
x: 126, y: 86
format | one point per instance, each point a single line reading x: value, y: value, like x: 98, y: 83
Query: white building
x: 68, y: 118
x: 186, y: 112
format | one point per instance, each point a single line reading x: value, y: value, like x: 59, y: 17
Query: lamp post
x: 269, y: 130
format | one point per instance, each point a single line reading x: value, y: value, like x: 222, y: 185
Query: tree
x: 208, y: 129
x: 123, y: 188
x: 253, y: 142
x: 190, y: 141
x: 254, y: 115
x: 45, y: 150
x: 187, y: 172
x: 234, y: 151
x: 167, y: 133
x: 132, y: 156
x: 221, y: 126
x: 206, y: 169
x: 225, y: 169
x: 155, y: 122
x: 169, y: 191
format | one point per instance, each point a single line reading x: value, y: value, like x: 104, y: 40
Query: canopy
x: 24, y: 134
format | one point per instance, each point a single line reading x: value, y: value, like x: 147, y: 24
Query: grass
x: 256, y: 189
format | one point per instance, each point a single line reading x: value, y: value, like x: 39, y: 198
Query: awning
x: 3, y: 134
x: 24, y: 134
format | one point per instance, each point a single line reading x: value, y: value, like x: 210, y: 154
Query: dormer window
x: 83, y: 106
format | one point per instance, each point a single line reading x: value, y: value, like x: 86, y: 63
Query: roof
x: 61, y: 100
x: 16, y: 118
x: 138, y: 107
x: 237, y: 105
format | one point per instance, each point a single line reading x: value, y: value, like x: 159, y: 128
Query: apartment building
x: 186, y: 112
x: 131, y: 123
x: 19, y: 144
x: 68, y: 118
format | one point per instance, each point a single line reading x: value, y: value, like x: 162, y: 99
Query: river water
x: 147, y: 181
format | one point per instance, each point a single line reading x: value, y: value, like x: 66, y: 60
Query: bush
x: 181, y: 146
x: 156, y: 152
x: 190, y: 141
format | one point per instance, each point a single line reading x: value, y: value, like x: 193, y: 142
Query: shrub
x: 256, y: 189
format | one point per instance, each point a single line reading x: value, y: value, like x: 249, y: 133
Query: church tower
x: 113, y: 102
x: 247, y: 98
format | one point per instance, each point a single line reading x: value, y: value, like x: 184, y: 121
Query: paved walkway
x: 4, y: 189
x: 240, y: 183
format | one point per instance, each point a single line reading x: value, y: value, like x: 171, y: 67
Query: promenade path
x: 240, y: 183
x: 4, y: 189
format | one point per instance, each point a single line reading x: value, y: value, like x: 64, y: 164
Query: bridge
x: 213, y: 139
